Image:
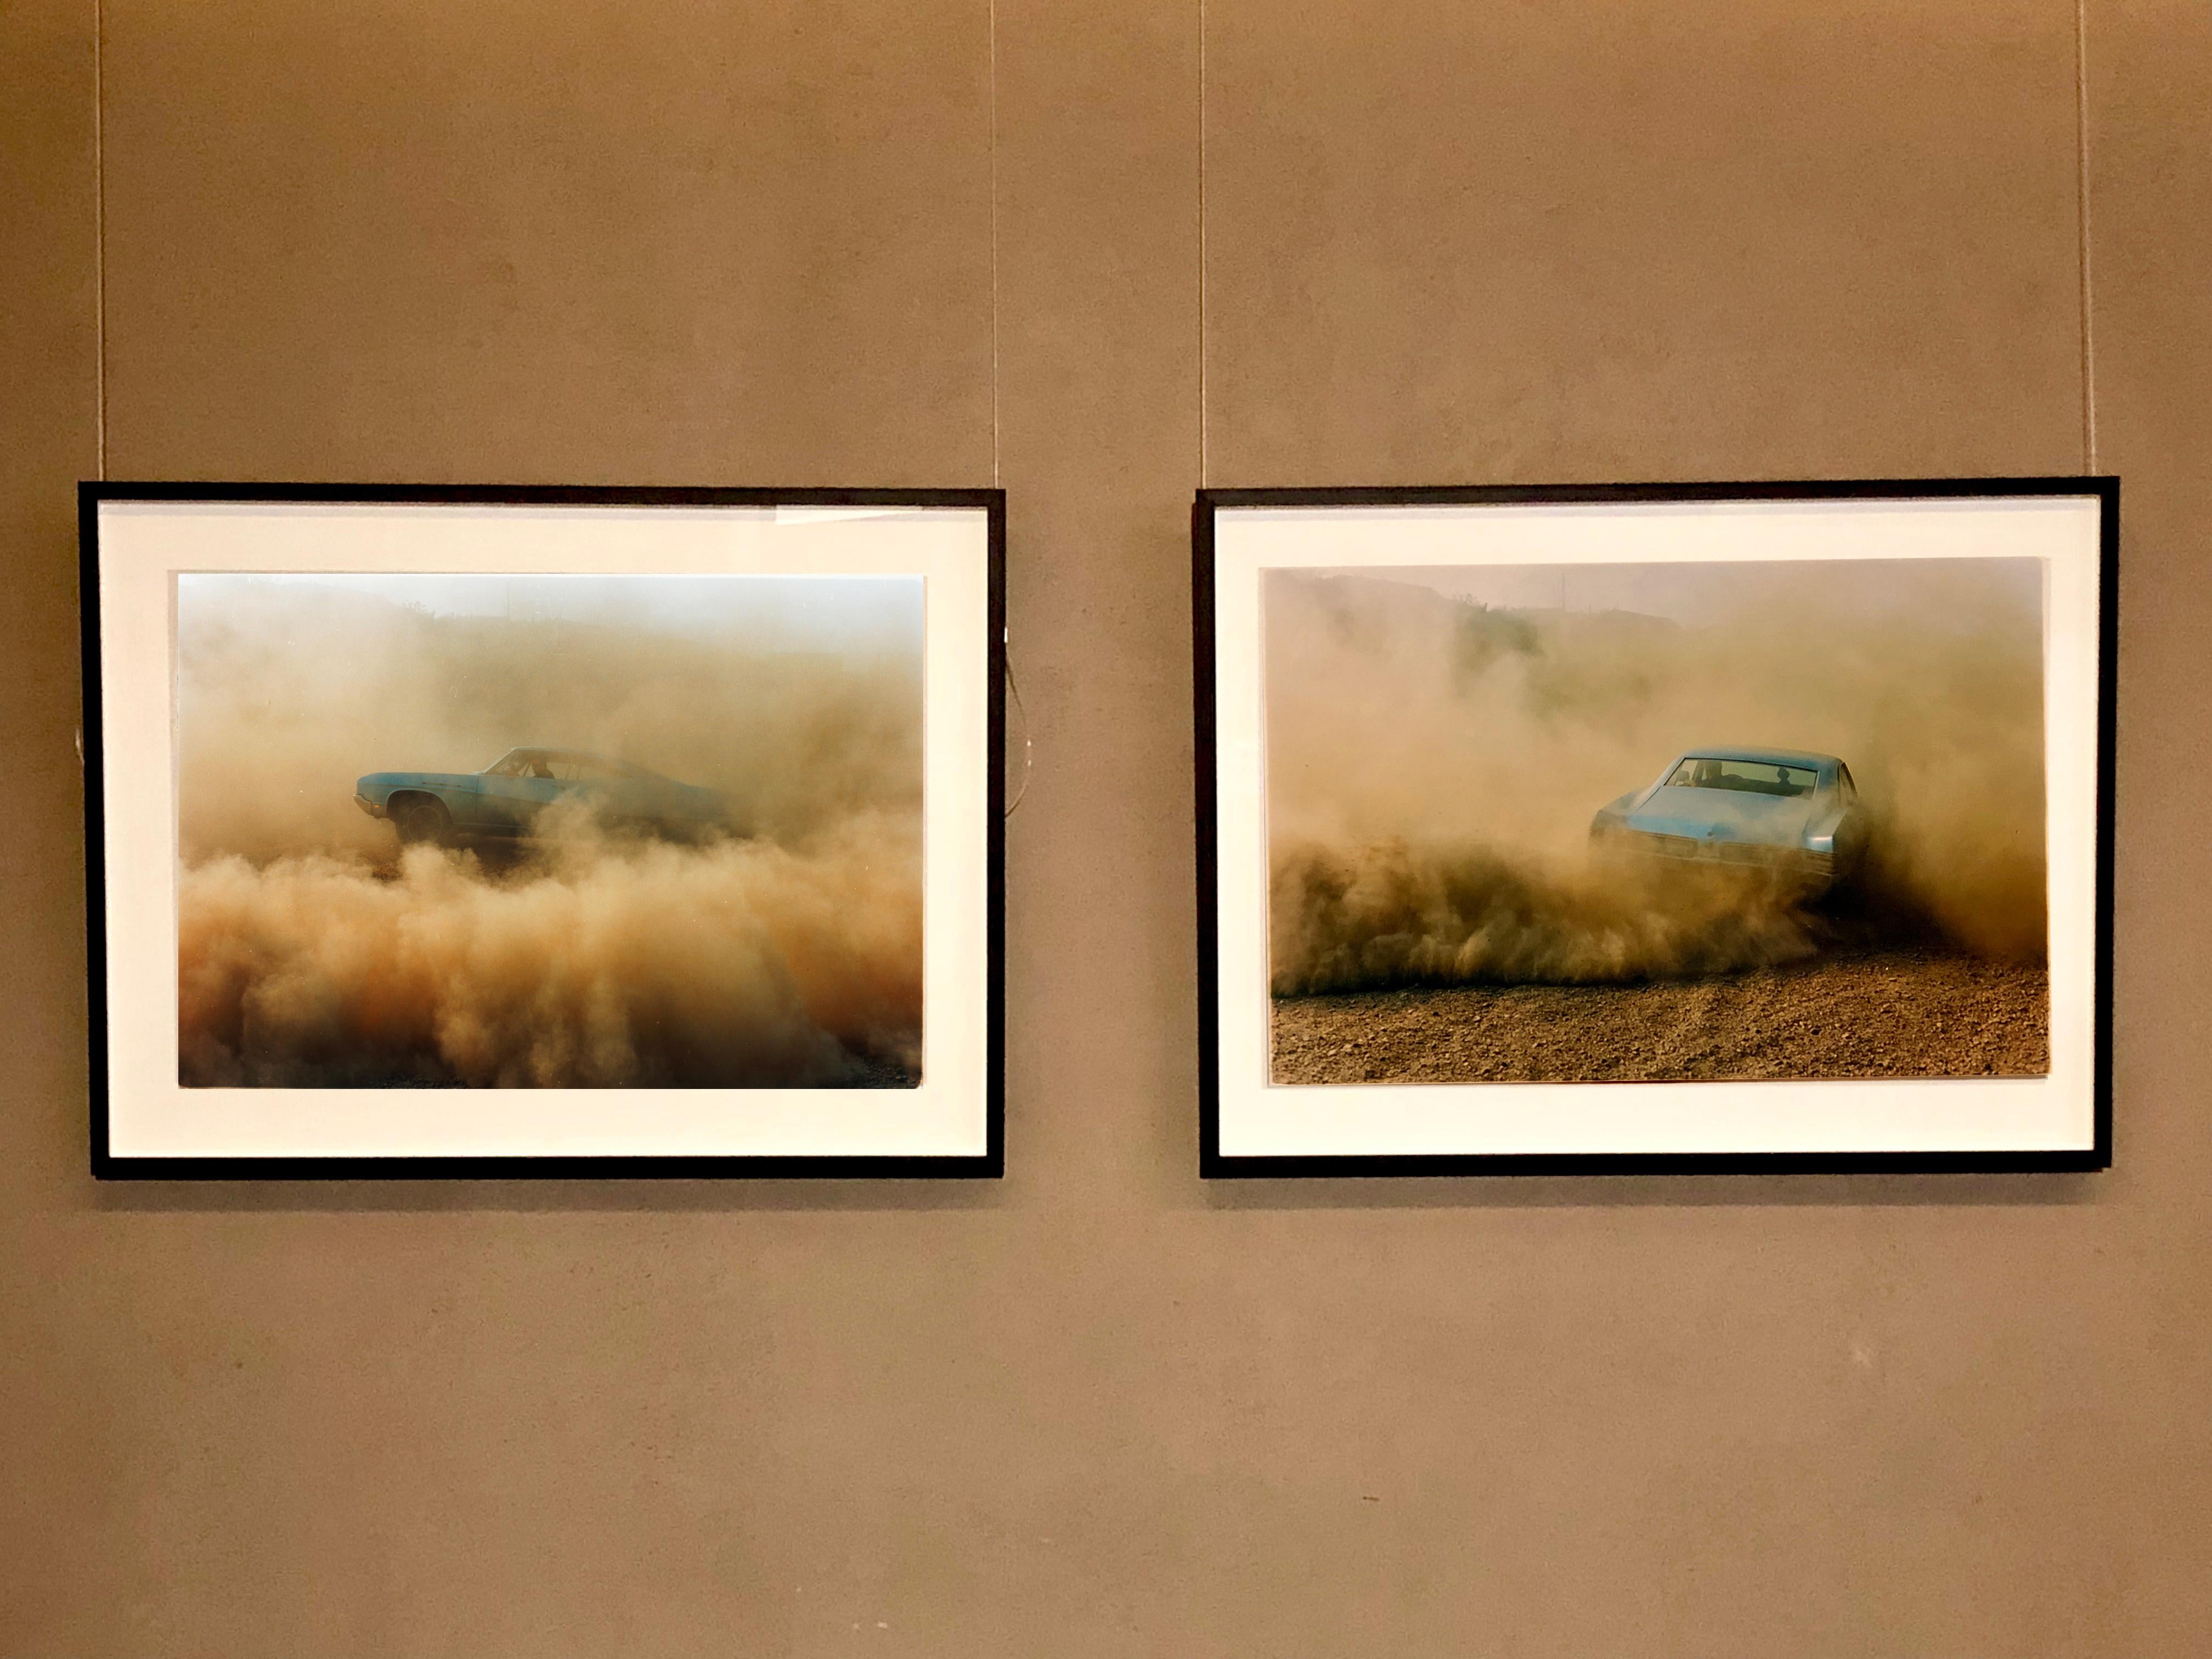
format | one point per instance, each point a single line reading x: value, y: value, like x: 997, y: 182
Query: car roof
x: 1762, y: 757
x: 555, y: 749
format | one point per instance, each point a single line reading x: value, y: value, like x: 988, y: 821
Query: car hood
x: 1724, y: 815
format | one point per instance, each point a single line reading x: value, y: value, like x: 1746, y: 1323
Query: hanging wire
x: 992, y: 35
x: 1028, y: 749
x: 2081, y: 219
x: 100, y: 234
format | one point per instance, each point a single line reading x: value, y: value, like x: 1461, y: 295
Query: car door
x: 562, y: 779
x: 519, y: 789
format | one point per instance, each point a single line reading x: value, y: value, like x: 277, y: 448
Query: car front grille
x: 1695, y: 849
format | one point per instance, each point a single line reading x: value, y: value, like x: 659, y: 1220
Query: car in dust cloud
x: 1781, y: 810
x: 510, y: 798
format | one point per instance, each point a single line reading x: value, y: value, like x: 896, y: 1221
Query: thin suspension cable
x: 994, y: 100
x: 100, y: 237
x: 2081, y: 204
x: 1202, y: 245
x: 1029, y: 747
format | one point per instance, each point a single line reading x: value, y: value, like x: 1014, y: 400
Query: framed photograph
x: 1644, y: 828
x: 495, y: 832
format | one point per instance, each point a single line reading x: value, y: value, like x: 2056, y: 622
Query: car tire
x: 422, y: 818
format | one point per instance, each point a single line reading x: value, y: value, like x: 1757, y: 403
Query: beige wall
x: 1101, y: 1409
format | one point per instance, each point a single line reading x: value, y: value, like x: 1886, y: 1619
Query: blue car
x: 508, y: 796
x: 1795, y: 814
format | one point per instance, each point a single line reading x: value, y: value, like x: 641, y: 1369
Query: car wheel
x: 420, y: 819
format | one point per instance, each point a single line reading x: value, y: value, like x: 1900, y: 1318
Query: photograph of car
x: 512, y: 798
x: 1633, y: 826
x: 1443, y: 906
x: 544, y: 830
x: 716, y: 883
x: 1795, y: 814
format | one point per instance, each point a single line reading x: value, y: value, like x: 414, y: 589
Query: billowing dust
x: 1433, y: 763
x: 784, y: 952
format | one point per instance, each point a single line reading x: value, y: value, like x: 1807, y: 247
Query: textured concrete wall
x: 1100, y: 1409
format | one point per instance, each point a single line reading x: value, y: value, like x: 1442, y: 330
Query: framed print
x: 1641, y: 828
x: 543, y: 832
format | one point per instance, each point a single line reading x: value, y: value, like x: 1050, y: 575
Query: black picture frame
x: 1215, y: 1163
x: 108, y: 1164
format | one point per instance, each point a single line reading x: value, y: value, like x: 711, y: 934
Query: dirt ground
x: 1895, y: 1012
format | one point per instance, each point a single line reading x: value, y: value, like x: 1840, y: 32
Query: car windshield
x: 1750, y: 777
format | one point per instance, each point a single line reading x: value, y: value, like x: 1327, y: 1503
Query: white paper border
x: 144, y: 544
x: 1258, y: 1118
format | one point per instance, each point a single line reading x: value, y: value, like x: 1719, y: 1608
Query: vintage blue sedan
x: 508, y: 798
x: 1796, y: 814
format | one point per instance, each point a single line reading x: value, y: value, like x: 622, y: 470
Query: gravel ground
x: 1879, y: 1013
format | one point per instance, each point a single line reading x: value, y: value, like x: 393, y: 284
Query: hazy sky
x: 1700, y: 593
x: 822, y: 611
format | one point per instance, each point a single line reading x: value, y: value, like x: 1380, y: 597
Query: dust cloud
x: 785, y: 950
x: 1433, y: 762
